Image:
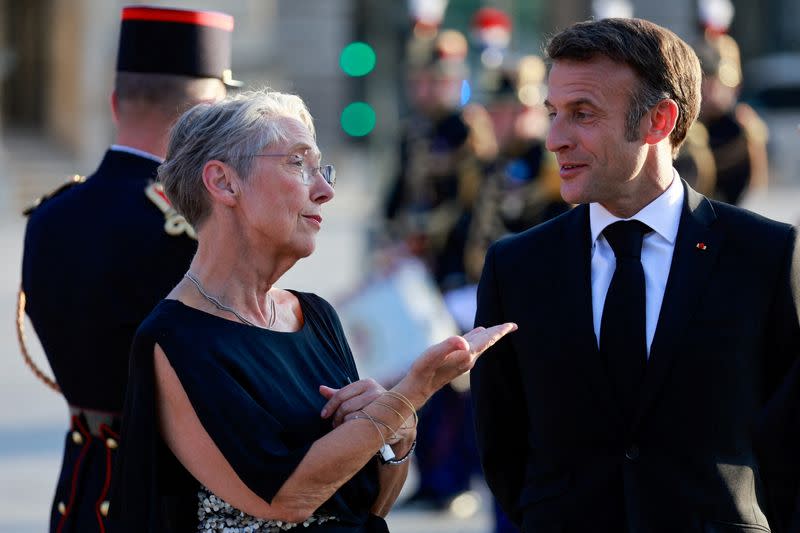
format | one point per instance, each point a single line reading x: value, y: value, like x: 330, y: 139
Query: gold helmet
x: 444, y: 52
x: 720, y: 58
x: 521, y: 79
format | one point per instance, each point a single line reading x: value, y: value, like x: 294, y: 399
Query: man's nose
x: 558, y: 136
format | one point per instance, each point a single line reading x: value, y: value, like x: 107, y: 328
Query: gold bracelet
x: 368, y: 417
x: 377, y: 420
x: 405, y: 400
x: 398, y: 413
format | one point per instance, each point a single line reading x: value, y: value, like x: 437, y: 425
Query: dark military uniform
x: 97, y: 259
x: 521, y: 191
x: 737, y: 136
x: 428, y: 207
x: 738, y: 142
x: 523, y: 187
x: 695, y: 161
x: 101, y: 253
x: 433, y: 194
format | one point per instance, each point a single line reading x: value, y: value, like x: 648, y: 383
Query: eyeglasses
x: 328, y: 172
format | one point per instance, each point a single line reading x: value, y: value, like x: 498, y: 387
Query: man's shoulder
x: 547, y: 234
x: 753, y: 236
x: 747, y: 223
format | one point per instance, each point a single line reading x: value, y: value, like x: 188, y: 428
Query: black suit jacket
x: 554, y: 447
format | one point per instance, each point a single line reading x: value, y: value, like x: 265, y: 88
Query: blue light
x: 466, y: 92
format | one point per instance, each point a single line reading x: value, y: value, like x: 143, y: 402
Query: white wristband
x: 387, y: 452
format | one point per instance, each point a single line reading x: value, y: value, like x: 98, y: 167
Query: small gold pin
x: 701, y: 246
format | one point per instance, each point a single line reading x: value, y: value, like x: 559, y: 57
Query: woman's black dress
x: 256, y: 392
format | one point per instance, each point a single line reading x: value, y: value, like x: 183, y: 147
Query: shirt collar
x: 663, y: 214
x: 136, y: 151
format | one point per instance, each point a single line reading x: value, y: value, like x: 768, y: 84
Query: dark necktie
x: 623, y: 339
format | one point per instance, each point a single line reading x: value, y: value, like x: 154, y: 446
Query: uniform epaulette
x: 174, y: 222
x: 754, y: 127
x: 74, y: 180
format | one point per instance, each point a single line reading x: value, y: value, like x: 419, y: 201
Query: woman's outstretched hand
x: 436, y: 367
x: 442, y: 363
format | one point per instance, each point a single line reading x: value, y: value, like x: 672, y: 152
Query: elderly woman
x: 244, y: 410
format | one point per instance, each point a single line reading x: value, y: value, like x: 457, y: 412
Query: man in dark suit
x: 100, y: 254
x: 655, y: 325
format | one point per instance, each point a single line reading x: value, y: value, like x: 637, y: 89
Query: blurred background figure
x: 695, y: 161
x: 428, y: 211
x: 100, y: 254
x: 439, y: 169
x: 490, y: 33
x: 737, y: 137
x: 522, y: 187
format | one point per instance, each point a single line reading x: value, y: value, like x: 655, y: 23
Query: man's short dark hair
x: 169, y: 94
x: 666, y: 66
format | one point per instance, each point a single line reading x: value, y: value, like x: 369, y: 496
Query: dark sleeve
x: 395, y: 197
x: 778, y: 430
x: 498, y: 401
x: 151, y: 491
x: 244, y: 430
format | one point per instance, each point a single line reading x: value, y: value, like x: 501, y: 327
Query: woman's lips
x: 315, y: 218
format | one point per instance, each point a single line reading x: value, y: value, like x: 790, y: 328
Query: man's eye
x: 296, y: 160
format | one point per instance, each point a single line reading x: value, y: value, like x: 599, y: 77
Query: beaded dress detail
x: 217, y: 516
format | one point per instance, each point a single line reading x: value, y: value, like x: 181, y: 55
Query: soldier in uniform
x: 102, y: 252
x: 522, y: 187
x: 440, y: 167
x: 695, y: 161
x: 442, y: 148
x: 736, y: 134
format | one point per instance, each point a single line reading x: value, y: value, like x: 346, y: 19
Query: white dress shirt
x: 663, y: 215
x: 136, y: 151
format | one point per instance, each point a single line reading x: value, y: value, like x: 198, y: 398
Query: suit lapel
x: 577, y: 285
x: 696, y: 248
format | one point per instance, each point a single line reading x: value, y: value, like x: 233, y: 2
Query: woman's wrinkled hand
x: 349, y: 399
x: 442, y: 363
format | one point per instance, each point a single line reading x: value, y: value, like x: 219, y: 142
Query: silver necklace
x: 222, y: 307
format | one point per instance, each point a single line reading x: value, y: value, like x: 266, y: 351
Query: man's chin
x: 574, y: 195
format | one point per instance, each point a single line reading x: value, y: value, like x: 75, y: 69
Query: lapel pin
x: 701, y: 246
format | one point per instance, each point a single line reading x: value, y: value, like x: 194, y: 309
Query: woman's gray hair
x: 232, y: 131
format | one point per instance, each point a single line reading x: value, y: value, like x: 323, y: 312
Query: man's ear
x: 660, y: 121
x: 220, y: 182
x: 115, y: 107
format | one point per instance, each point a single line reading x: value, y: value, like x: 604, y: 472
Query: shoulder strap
x: 74, y: 180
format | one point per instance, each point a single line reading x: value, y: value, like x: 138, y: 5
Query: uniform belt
x: 94, y: 420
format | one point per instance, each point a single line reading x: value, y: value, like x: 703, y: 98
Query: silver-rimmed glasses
x: 328, y: 172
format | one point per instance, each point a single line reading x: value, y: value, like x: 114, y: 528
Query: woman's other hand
x: 349, y: 399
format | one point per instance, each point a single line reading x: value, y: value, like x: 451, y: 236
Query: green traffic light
x: 357, y: 59
x: 358, y: 119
